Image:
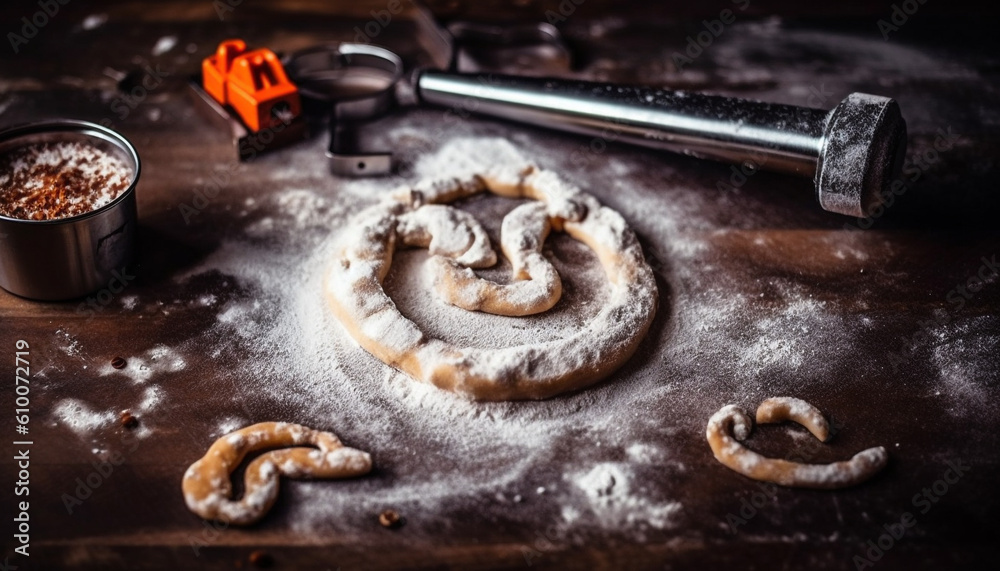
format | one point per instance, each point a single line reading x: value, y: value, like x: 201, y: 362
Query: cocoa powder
x: 48, y: 181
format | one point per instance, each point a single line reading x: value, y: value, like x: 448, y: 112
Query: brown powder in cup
x: 47, y: 181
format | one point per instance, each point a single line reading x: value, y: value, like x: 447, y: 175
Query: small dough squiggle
x: 207, y: 487
x: 730, y: 425
x: 536, y: 286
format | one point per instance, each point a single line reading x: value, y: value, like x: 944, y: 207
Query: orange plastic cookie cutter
x: 253, y: 83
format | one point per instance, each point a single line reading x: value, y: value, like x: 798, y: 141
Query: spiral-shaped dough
x: 416, y: 216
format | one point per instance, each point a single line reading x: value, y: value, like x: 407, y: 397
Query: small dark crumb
x: 390, y: 519
x: 129, y: 421
x: 119, y: 363
x: 260, y: 559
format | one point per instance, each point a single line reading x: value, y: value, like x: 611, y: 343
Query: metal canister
x: 70, y: 257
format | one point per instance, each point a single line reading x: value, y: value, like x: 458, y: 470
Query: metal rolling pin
x: 853, y: 152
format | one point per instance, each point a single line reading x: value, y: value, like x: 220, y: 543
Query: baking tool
x: 249, y: 94
x: 853, y: 152
x: 70, y: 257
x: 253, y: 83
x: 355, y: 83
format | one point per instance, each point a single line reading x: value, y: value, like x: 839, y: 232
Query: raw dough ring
x: 354, y: 284
x: 207, y: 487
x: 730, y: 422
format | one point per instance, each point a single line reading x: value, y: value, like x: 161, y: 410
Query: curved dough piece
x: 779, y: 409
x: 447, y: 231
x: 207, y: 487
x: 537, y: 286
x: 730, y: 425
x: 354, y: 291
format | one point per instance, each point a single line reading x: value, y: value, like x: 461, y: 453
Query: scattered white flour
x: 94, y: 21
x: 439, y: 451
x: 141, y: 368
x: 207, y: 300
x: 86, y: 421
x: 643, y: 453
x: 69, y: 344
x: 230, y: 424
x: 164, y: 45
x: 270, y: 348
x: 79, y: 417
x: 774, y: 346
x: 960, y: 354
x: 301, y: 359
x: 151, y: 398
x: 612, y: 502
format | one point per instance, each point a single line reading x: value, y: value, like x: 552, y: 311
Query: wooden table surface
x: 858, y: 316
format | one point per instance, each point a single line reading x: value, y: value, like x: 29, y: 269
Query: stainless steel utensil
x: 70, y: 257
x: 852, y: 152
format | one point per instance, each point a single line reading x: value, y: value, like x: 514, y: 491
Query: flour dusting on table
x: 439, y: 451
x: 605, y: 457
